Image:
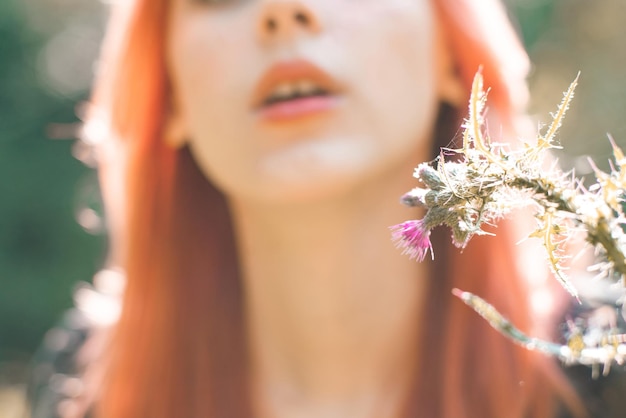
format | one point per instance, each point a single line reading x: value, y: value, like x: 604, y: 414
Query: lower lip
x: 298, y: 108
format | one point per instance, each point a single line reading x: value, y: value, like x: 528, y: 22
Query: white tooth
x: 284, y: 90
x: 306, y: 87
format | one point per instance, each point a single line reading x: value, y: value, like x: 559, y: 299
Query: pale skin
x: 333, y: 307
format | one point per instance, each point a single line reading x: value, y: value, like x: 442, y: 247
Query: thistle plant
x: 487, y: 180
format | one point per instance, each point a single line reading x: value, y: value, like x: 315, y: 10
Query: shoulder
x: 65, y: 366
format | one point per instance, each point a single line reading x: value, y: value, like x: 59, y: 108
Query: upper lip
x: 289, y: 71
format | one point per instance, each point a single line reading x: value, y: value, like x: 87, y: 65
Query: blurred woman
x: 252, y: 157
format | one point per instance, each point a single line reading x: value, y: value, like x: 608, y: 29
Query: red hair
x: 179, y: 346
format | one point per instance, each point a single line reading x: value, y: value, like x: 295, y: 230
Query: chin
x: 307, y: 190
x: 315, y: 170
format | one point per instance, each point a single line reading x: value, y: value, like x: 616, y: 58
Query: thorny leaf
x: 488, y: 179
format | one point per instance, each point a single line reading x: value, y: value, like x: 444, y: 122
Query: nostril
x: 271, y: 24
x: 301, y: 18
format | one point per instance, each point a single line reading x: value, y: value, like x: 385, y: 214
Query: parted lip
x: 288, y: 71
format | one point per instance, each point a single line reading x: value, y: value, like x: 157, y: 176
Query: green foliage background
x: 43, y: 250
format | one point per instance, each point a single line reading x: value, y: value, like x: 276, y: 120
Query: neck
x: 332, y: 306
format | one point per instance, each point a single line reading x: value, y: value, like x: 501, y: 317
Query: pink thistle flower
x: 414, y: 239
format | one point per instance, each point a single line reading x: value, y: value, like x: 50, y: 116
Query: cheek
x: 211, y: 89
x: 394, y: 68
x: 204, y: 72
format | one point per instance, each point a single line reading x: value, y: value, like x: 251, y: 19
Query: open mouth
x: 295, y: 90
x: 290, y: 90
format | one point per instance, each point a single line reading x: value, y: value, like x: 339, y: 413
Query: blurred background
x: 50, y: 233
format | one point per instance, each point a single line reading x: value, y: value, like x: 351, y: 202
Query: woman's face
x: 298, y: 99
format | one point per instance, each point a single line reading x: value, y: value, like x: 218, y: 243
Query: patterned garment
x: 67, y: 362
x: 56, y: 379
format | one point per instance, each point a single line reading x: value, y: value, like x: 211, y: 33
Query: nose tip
x: 280, y: 19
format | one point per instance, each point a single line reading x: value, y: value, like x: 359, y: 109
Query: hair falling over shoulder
x: 179, y: 347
